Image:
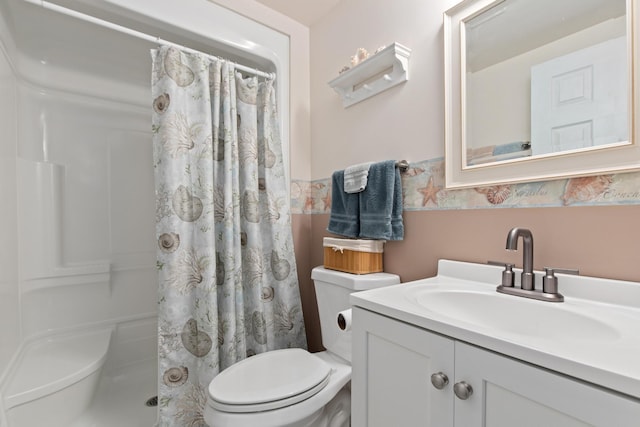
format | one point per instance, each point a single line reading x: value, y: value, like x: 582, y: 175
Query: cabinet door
x: 508, y: 393
x: 391, y: 378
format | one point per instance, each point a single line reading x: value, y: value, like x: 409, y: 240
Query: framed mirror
x: 540, y: 89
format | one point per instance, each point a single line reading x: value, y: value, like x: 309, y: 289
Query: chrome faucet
x: 527, y: 289
x: 527, y: 276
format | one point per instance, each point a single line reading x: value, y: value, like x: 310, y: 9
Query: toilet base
x: 337, y: 413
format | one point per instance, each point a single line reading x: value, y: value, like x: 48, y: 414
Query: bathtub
x: 99, y: 376
x: 55, y: 378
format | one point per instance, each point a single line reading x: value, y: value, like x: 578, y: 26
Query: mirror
x: 540, y: 89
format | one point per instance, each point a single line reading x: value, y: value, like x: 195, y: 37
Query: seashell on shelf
x: 361, y: 55
x: 380, y: 49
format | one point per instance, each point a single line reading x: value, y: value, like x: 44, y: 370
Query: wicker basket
x: 353, y: 256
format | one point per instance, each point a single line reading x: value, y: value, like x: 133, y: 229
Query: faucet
x: 527, y: 289
x: 527, y: 276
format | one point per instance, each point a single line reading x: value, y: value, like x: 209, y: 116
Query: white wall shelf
x: 379, y: 72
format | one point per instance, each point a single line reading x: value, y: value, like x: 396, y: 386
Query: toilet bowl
x: 292, y: 387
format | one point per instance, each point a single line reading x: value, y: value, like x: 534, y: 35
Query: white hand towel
x: 355, y: 177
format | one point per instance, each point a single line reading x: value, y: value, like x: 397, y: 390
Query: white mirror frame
x: 623, y: 157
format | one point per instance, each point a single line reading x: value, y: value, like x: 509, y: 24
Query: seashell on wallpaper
x: 496, y: 194
x: 585, y: 189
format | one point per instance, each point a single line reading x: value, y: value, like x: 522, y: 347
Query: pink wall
x: 600, y: 241
x: 407, y: 122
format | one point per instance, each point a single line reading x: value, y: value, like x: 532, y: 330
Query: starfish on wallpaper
x: 430, y: 192
x: 327, y: 201
x: 308, y: 204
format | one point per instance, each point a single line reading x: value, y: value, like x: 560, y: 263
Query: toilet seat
x: 268, y: 381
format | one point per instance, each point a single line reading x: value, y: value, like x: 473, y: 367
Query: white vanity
x: 451, y: 351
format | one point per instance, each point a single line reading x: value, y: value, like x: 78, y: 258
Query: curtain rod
x: 144, y: 36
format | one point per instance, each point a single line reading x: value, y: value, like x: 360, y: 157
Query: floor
x: 120, y: 399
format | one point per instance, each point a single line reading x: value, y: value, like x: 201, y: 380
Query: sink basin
x: 516, y: 315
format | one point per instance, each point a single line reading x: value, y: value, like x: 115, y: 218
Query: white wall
x: 405, y: 122
x: 9, y: 291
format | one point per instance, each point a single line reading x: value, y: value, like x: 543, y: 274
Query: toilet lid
x: 270, y: 380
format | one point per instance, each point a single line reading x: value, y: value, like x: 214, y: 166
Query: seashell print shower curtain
x: 228, y: 286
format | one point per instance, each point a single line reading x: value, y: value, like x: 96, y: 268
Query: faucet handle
x: 497, y: 263
x: 563, y: 270
x: 550, y: 281
x: 508, y: 277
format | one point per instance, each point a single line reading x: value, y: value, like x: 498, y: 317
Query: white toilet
x: 293, y: 387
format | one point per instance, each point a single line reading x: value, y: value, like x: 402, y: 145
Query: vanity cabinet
x: 392, y: 384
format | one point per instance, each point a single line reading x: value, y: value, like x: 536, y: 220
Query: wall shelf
x: 379, y: 72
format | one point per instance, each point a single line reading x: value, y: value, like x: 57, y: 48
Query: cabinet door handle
x: 463, y: 390
x: 439, y: 380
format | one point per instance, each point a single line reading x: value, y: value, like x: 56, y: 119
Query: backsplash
x: 423, y: 189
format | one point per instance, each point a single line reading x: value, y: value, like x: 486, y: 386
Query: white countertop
x: 603, y: 348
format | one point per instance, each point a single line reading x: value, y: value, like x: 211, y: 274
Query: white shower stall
x: 78, y: 281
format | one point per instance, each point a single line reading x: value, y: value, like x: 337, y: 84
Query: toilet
x: 292, y: 387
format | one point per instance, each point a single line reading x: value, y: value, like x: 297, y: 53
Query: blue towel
x: 380, y: 204
x: 343, y: 219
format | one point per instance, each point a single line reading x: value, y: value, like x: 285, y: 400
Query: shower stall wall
x: 77, y: 210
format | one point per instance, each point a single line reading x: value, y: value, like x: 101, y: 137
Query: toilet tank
x: 332, y: 293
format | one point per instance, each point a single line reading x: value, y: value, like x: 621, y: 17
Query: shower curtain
x: 228, y: 286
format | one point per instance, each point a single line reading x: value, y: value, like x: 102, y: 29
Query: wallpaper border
x: 423, y: 189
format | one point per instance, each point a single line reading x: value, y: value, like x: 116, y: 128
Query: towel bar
x: 403, y: 165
